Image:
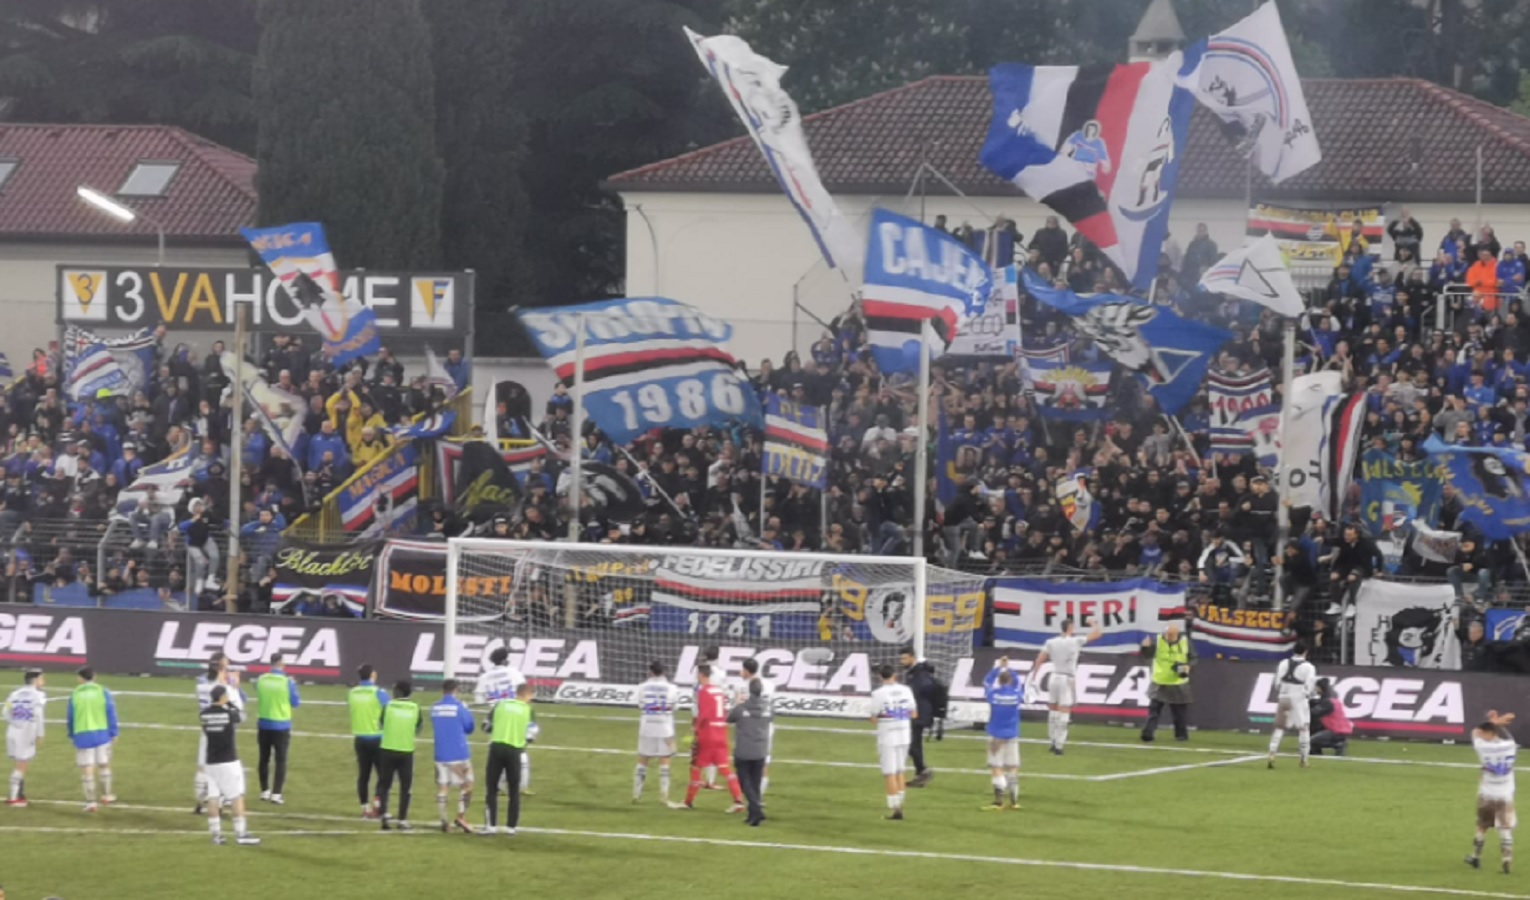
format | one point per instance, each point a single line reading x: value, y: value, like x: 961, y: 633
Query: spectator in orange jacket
x: 1482, y: 278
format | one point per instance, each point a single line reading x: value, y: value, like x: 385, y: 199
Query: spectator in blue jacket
x: 327, y: 441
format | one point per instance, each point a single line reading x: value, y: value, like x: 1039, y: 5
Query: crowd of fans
x: 68, y: 462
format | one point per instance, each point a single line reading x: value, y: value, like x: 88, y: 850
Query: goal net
x: 584, y: 621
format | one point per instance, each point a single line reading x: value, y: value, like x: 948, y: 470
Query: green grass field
x: 1169, y: 821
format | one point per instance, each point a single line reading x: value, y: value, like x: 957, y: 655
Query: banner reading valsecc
x: 204, y: 299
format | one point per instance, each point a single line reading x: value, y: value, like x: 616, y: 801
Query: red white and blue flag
x: 916, y: 274
x: 299, y: 256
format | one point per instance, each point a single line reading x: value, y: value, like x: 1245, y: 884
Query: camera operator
x: 1172, y: 657
x: 1328, y: 712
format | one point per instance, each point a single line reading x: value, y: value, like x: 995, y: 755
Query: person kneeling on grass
x: 1328, y: 710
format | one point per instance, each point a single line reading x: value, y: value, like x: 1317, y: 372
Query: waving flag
x: 436, y: 376
x: 298, y: 255
x: 1433, y: 545
x: 916, y: 273
x: 752, y: 84
x: 1493, y: 484
x: 120, y: 366
x: 649, y: 362
x: 1248, y: 80
x: 1167, y: 352
x: 796, y: 444
x: 1256, y: 273
x: 168, y: 478
x: 1230, y: 397
x: 1071, y: 392
x: 1100, y: 145
x: 1262, y: 425
x: 1076, y: 503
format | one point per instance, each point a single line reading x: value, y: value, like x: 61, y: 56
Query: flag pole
x: 576, y: 469
x: 235, y: 463
x: 922, y: 448
x: 1282, y: 482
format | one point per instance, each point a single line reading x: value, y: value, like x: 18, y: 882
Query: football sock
x: 88, y: 782
x: 215, y: 825
x: 664, y: 782
x: 733, y: 787
x: 998, y: 789
x: 1304, y: 743
x: 1276, y: 737
x: 711, y: 775
x: 239, y: 826
x: 1062, y: 728
x: 900, y: 799
x: 200, y: 784
x: 15, y: 786
x: 464, y: 801
x: 1477, y: 843
x: 695, y: 786
x: 1014, y: 788
x: 1052, y: 728
x: 441, y: 805
x: 1506, y: 844
x: 106, y: 782
x: 639, y: 775
x: 892, y: 801
x: 525, y: 772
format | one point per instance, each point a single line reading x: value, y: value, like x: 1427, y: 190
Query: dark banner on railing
x: 411, y: 584
x: 314, y: 573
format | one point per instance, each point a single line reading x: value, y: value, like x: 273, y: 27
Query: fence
x: 78, y: 562
x: 324, y: 525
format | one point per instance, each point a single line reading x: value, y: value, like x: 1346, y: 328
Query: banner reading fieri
x: 1314, y: 235
x: 1027, y: 612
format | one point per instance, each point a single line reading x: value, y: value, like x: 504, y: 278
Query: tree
x: 482, y: 137
x: 605, y: 85
x: 172, y: 62
x: 346, y: 104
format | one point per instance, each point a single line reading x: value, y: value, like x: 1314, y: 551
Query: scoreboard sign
x: 203, y: 299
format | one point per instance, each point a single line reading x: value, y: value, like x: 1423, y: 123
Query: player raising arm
x: 1297, y: 683
x: 658, y: 699
x: 711, y: 742
x: 894, y: 710
x: 1004, y: 694
x: 450, y: 723
x: 1496, y: 748
x: 1062, y: 651
x: 23, y: 714
x: 225, y: 775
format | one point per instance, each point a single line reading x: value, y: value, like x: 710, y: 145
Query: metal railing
x: 79, y: 562
x: 324, y: 524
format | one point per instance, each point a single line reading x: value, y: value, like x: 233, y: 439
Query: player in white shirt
x: 217, y: 673
x: 1295, y: 685
x: 1062, y: 651
x: 499, y: 682
x: 1496, y: 748
x: 894, y: 710
x: 23, y: 714
x: 657, y: 698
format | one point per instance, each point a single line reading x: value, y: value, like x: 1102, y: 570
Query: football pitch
x: 1162, y: 821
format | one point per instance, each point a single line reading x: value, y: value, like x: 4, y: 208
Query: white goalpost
x: 583, y: 622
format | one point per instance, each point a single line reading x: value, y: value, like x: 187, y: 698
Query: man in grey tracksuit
x: 751, y: 744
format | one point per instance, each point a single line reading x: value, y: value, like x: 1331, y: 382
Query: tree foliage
x: 481, y: 134
x: 345, y: 96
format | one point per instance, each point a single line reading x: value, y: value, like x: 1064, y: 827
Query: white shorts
x: 893, y: 756
x: 655, y: 747
x: 1495, y: 812
x: 1003, y: 754
x: 20, y: 747
x: 455, y: 774
x: 94, y: 756
x: 1060, y: 690
x: 225, y: 781
x: 1292, y: 713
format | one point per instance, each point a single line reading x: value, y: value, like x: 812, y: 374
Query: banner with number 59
x: 649, y: 362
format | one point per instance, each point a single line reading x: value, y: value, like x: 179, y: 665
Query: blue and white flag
x: 1100, y: 145
x: 436, y: 376
x: 649, y: 362
x: 915, y: 273
x: 426, y: 427
x: 5, y: 367
x: 796, y: 444
x: 752, y: 85
x: 1262, y: 425
x: 1070, y: 392
x: 1493, y: 485
x: 166, y: 477
x: 1395, y: 491
x: 299, y: 256
x: 1230, y: 396
x: 118, y: 366
x: 1168, y: 352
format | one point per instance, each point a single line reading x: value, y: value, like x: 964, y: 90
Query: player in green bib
x: 401, y: 723
x: 510, y: 727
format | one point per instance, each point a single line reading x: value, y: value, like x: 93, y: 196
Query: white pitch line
x: 1164, y: 770
x: 811, y: 848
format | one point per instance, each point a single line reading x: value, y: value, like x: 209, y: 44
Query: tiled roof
x: 208, y: 200
x: 1386, y: 139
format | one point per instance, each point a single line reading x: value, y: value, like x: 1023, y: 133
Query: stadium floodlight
x: 121, y: 213
x: 588, y: 619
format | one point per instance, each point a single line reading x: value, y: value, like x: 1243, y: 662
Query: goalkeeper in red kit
x: 711, y: 742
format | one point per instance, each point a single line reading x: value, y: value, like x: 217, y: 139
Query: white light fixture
x: 105, y: 204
